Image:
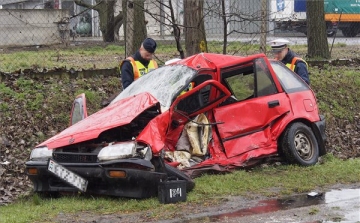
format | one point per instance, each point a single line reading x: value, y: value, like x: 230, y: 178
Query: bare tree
x: 109, y: 23
x: 225, y: 22
x: 316, y: 30
x: 166, y: 18
x: 195, y: 37
x: 176, y: 31
x: 229, y: 17
x: 135, y: 25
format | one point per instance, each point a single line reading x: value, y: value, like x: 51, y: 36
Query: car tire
x: 331, y: 33
x: 299, y: 145
x: 176, y: 173
x: 49, y: 194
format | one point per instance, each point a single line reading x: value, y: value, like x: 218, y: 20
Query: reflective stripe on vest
x: 292, y: 65
x: 139, y: 69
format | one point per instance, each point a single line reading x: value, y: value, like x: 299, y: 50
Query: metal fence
x: 63, y: 24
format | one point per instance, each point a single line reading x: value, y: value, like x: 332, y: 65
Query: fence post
x: 263, y: 31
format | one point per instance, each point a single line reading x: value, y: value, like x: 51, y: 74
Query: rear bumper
x: 319, y: 130
x: 138, y: 183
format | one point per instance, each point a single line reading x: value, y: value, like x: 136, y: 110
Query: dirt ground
x: 229, y: 209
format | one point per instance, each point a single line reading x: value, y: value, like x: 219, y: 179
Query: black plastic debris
x: 172, y: 191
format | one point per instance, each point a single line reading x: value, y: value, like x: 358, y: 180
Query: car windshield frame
x: 163, y: 83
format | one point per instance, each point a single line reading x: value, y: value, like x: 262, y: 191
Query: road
x: 340, y: 205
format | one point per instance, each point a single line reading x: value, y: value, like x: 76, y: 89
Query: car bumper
x: 140, y: 180
x: 319, y: 130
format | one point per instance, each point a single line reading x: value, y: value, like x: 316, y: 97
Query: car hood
x: 118, y: 114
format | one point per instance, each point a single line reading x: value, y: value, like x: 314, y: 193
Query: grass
x: 209, y: 190
x: 103, y: 56
x: 336, y: 89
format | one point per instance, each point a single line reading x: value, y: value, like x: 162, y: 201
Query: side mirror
x: 79, y: 110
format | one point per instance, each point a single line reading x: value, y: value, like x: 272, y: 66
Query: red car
x: 208, y: 112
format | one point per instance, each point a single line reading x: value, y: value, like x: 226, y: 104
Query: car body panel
x: 249, y: 122
x: 117, y: 114
x: 249, y: 103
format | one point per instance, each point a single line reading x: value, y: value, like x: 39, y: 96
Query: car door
x: 79, y: 110
x: 255, y: 105
x: 202, y: 98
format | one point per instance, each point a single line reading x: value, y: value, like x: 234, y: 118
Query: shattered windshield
x: 163, y: 83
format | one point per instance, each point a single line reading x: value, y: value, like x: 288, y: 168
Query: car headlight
x: 117, y: 151
x: 146, y: 153
x: 41, y: 153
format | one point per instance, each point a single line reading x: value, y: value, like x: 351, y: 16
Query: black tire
x: 348, y: 32
x: 174, y: 172
x: 298, y: 145
x: 331, y: 33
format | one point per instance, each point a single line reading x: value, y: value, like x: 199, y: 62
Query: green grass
x: 336, y: 88
x: 210, y: 190
x: 104, y: 56
x: 78, y: 58
x: 337, y: 91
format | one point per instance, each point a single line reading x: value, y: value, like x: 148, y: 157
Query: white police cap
x: 279, y: 44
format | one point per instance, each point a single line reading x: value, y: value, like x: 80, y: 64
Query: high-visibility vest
x: 139, y: 69
x: 190, y: 87
x: 292, y: 65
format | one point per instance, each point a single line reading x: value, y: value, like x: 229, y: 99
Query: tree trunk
x: 106, y: 16
x: 224, y: 18
x: 195, y: 38
x: 316, y: 30
x: 109, y: 24
x: 135, y: 25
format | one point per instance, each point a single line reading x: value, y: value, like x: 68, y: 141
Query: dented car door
x: 256, y: 105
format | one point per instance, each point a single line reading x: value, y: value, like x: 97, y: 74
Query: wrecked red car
x: 208, y: 112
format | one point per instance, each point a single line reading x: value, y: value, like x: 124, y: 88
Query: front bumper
x: 141, y: 181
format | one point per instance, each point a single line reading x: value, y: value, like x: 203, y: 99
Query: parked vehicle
x: 240, y: 109
x: 339, y: 14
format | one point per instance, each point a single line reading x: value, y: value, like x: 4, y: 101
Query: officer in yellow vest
x: 283, y: 53
x: 138, y: 64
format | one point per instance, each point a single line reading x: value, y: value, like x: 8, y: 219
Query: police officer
x: 138, y: 64
x: 283, y: 53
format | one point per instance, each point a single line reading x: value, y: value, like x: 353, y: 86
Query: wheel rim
x: 303, y: 146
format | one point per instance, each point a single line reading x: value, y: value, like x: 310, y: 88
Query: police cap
x: 278, y: 45
x: 149, y: 45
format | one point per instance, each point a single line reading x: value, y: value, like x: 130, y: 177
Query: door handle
x: 273, y: 104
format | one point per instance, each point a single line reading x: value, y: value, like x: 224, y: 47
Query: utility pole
x: 263, y: 31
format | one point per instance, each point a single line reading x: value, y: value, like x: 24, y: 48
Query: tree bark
x: 318, y: 46
x: 225, y: 22
x: 135, y: 25
x: 109, y: 24
x: 195, y: 37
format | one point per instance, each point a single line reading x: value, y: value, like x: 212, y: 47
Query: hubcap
x: 303, y: 146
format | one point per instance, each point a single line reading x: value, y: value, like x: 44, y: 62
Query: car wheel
x: 299, y: 145
x: 331, y: 33
x: 176, y: 173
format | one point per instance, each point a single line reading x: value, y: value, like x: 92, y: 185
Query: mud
x: 337, y: 203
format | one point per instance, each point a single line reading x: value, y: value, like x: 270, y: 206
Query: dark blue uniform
x: 300, y: 66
